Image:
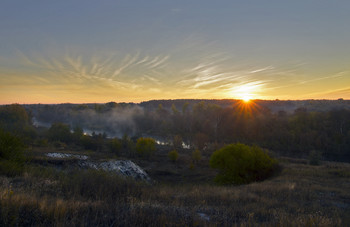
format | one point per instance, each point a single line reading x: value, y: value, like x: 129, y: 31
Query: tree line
x: 204, y: 125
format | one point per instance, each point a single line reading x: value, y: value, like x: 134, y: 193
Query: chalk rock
x: 122, y: 167
x: 64, y: 155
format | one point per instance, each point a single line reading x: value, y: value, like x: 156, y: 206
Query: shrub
x: 173, y: 155
x: 196, y: 155
x: 240, y: 164
x: 177, y: 142
x: 92, y: 142
x: 11, y: 155
x: 98, y: 185
x: 145, y: 147
x: 10, y: 147
x: 314, y: 158
x: 60, y: 132
x: 14, y: 118
x: 115, y: 145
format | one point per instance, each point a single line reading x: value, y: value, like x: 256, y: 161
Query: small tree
x: 128, y: 145
x: 60, y: 132
x: 200, y: 140
x: 173, y: 155
x: 77, y: 134
x: 314, y: 158
x: 12, y: 158
x: 196, y: 156
x: 145, y: 147
x: 10, y: 147
x: 115, y: 145
x: 240, y: 164
x: 177, y: 142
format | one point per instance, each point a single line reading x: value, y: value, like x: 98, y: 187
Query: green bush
x: 10, y: 147
x: 60, y: 132
x: 196, y: 155
x: 11, y: 168
x: 241, y: 164
x: 14, y: 118
x: 145, y: 147
x: 314, y: 158
x: 12, y: 158
x: 115, y: 145
x: 173, y: 155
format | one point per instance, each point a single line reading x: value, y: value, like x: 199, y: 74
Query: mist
x: 114, y: 121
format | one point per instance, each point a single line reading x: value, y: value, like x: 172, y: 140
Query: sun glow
x: 246, y: 99
x: 246, y: 92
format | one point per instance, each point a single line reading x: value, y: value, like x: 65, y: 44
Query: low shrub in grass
x: 10, y: 147
x: 145, y: 147
x: 314, y: 158
x: 173, y: 155
x: 115, y: 145
x: 99, y: 185
x: 12, y: 158
x: 241, y: 164
x: 196, y: 155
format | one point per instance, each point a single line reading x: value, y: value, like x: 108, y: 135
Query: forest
x: 292, y: 128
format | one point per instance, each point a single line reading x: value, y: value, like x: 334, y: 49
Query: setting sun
x: 246, y: 99
x: 247, y: 92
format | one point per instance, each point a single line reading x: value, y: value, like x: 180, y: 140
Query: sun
x: 245, y: 96
x: 246, y: 99
x: 247, y: 92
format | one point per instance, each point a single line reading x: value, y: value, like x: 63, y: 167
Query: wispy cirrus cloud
x: 337, y: 75
x: 207, y: 74
x: 113, y: 70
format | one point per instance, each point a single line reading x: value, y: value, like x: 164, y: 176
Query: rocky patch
x: 122, y: 167
x: 125, y: 168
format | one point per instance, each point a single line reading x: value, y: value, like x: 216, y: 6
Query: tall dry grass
x: 301, y: 195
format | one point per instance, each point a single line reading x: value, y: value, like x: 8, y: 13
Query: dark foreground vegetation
x: 301, y: 195
x: 291, y: 184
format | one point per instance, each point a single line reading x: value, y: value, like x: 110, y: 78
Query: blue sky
x: 100, y: 51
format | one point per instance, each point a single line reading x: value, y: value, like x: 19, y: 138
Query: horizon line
x: 76, y: 103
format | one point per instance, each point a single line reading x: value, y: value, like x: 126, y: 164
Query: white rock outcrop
x: 64, y: 155
x: 122, y: 167
x: 125, y: 168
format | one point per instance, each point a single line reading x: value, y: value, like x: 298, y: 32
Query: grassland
x: 51, y: 193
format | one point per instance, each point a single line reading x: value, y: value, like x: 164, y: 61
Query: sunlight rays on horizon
x: 140, y: 75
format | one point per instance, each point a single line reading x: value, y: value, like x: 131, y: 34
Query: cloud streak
x: 161, y: 76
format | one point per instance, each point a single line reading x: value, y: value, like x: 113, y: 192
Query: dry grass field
x: 299, y: 195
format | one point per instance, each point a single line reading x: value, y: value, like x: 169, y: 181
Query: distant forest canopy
x: 293, y: 128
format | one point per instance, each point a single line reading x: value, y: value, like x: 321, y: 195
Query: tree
x: 10, y: 147
x: 196, y: 155
x: 185, y: 108
x: 145, y: 147
x: 60, y: 132
x: 14, y: 114
x: 177, y: 142
x: 200, y: 140
x: 173, y: 108
x: 12, y: 157
x: 77, y: 134
x: 173, y: 155
x: 15, y: 119
x: 115, y: 145
x: 240, y: 164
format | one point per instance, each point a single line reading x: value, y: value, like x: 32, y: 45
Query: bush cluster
x: 241, y: 164
x: 145, y: 147
x: 173, y: 155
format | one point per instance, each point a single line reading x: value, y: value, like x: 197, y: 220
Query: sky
x: 86, y: 51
